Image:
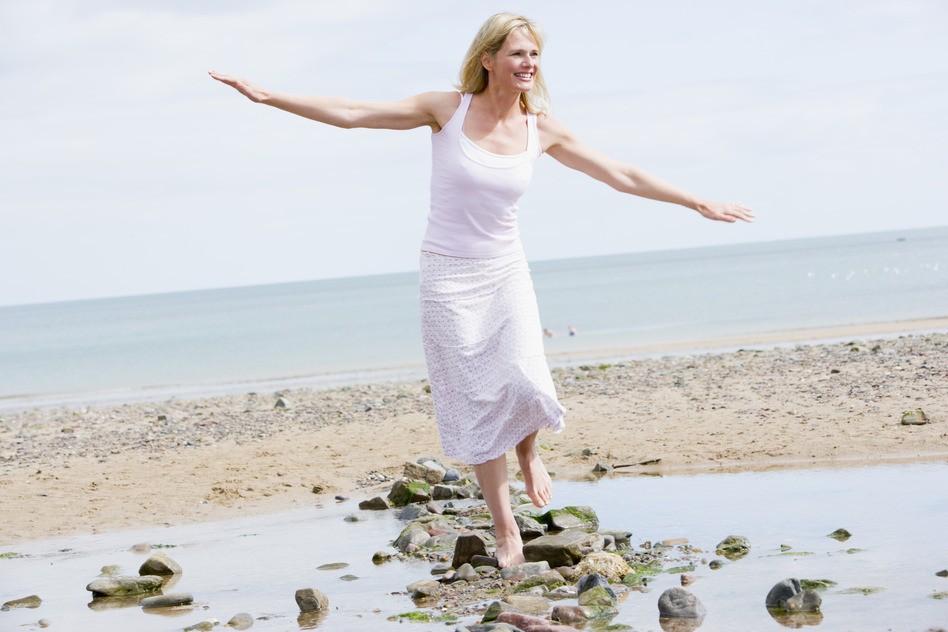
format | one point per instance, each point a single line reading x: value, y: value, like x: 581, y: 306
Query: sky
x: 126, y: 170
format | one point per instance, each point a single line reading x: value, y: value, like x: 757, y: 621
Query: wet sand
x: 104, y: 468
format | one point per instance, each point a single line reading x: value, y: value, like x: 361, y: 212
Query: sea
x: 343, y: 331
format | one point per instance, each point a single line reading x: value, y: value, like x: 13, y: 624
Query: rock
x: 943, y: 573
x: 840, y: 534
x: 466, y: 573
x: 424, y: 589
x: 467, y: 546
x: 451, y: 476
x: 141, y: 547
x: 311, y: 600
x: 496, y: 608
x: 597, y: 596
x: 733, y: 547
x: 532, y: 624
x: 167, y: 601
x: 686, y: 579
x: 413, y: 535
x: 442, y: 492
x: 434, y: 507
x: 559, y: 549
x: 380, y: 557
x: 374, y: 504
x: 352, y: 518
x: 609, y: 565
x: 529, y: 528
x: 406, y: 491
x: 429, y: 471
x: 678, y: 603
x: 160, y: 564
x: 571, y: 517
x: 412, y: 512
x: 281, y: 402
x: 915, y: 417
x: 483, y: 560
x: 124, y: 585
x: 241, y: 621
x: 621, y: 537
x: 203, y: 626
x: 471, y: 490
x: 601, y: 468
x: 569, y: 614
x: 526, y: 603
x: 32, y: 601
x: 789, y: 596
x: 594, y: 580
x: 715, y: 564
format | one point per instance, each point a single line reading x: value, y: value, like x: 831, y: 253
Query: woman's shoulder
x: 442, y: 105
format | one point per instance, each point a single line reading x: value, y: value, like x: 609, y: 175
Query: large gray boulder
x: 678, y: 603
x: 790, y: 596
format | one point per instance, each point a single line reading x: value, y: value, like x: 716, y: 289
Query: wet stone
x: 789, y: 596
x: 241, y: 621
x: 32, y: 601
x: 733, y: 547
x: 203, y: 626
x: 311, y: 600
x: 124, y: 585
x: 527, y: 603
x: 170, y: 600
x: 374, y: 504
x: 160, y: 564
x: 678, y: 603
x: 466, y: 547
x: 424, y: 589
x: 597, y: 596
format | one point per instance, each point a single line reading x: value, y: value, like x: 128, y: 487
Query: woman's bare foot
x: 509, y: 551
x: 535, y: 477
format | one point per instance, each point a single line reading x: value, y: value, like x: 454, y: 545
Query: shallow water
x: 898, y: 515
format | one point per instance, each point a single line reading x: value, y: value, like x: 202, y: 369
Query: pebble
x: 170, y: 600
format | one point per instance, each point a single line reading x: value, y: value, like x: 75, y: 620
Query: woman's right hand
x: 252, y: 92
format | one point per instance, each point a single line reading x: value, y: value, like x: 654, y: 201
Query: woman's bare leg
x: 492, y: 478
x: 537, y: 480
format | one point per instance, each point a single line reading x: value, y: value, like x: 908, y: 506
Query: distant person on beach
x: 490, y: 382
x: 572, y: 330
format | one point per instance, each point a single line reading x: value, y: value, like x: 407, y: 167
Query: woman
x: 490, y: 382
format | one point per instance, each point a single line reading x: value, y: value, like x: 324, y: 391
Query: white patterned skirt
x: 489, y: 377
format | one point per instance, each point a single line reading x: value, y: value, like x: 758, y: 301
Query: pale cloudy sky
x: 124, y: 169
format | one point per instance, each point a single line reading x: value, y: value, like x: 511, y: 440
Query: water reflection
x: 786, y: 517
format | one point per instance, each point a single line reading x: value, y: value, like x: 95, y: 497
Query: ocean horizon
x: 351, y: 330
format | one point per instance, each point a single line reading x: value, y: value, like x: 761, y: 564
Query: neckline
x: 467, y: 107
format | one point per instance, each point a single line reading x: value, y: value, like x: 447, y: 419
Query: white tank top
x: 474, y: 192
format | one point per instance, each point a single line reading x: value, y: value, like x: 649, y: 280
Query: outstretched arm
x: 429, y: 108
x: 566, y: 148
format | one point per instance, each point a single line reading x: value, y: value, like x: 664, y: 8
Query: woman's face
x: 516, y: 64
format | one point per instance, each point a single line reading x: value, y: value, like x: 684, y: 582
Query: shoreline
x: 122, y: 466
x: 394, y: 374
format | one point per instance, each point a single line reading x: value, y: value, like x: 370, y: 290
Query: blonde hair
x: 490, y: 39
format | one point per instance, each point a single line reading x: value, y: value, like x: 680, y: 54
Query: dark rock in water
x: 943, y: 573
x: 816, y: 584
x: 170, y: 600
x: 678, y: 603
x: 915, y: 417
x: 529, y: 528
x: 442, y: 492
x: 203, y: 626
x: 380, y: 557
x: 840, y: 534
x: 311, y: 600
x: 591, y: 581
x: 333, y: 566
x: 374, y: 504
x: 159, y: 564
x: 789, y: 596
x: 467, y: 546
x: 406, y: 491
x: 124, y: 585
x: 451, y: 476
x: 33, y: 601
x: 241, y: 621
x: 715, y: 564
x: 559, y: 549
x: 352, y: 518
x: 733, y: 547
x: 580, y: 517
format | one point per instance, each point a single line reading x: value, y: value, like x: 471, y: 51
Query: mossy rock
x: 597, y: 596
x: 550, y: 583
x: 816, y: 584
x: 677, y: 570
x: 840, y: 534
x: 733, y: 547
x: 570, y: 517
x: 862, y: 590
x: 406, y: 491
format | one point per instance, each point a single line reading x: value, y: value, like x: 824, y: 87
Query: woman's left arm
x: 567, y: 149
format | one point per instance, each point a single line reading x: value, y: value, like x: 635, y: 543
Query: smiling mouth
x: 524, y: 75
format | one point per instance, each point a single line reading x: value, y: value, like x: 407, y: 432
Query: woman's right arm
x: 430, y: 108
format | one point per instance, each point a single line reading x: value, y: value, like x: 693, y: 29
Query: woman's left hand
x: 726, y: 211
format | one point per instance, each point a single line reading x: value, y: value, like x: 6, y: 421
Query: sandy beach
x: 104, y: 468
